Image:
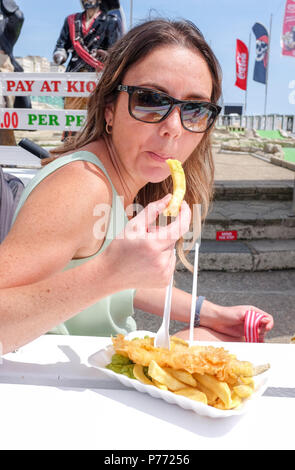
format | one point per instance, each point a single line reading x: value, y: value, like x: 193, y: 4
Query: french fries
x: 224, y: 392
x: 179, y: 187
x: 163, y: 377
x: 139, y: 375
x: 243, y: 391
x: 193, y: 394
x: 159, y: 385
x: 221, y: 389
x: 183, y: 376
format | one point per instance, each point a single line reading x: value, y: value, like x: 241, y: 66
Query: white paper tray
x: 103, y: 357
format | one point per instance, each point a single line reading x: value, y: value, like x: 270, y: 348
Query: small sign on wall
x: 226, y: 235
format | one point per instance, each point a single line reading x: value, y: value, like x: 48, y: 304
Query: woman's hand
x: 230, y: 320
x: 143, y: 254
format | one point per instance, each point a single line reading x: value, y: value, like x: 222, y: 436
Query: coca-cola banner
x: 288, y: 36
x: 242, y: 58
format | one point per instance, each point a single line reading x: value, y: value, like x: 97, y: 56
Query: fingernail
x: 163, y: 202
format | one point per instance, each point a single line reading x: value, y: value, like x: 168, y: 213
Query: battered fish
x: 196, y: 359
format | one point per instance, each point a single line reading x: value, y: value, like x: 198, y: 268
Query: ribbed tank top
x: 113, y: 314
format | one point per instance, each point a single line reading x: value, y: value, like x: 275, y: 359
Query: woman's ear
x: 109, y: 114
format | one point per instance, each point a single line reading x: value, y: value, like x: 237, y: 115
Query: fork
x: 198, y: 231
x: 162, y: 338
x: 194, y: 293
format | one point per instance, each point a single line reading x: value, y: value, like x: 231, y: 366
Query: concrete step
x: 278, y: 190
x: 253, y: 219
x: 252, y: 255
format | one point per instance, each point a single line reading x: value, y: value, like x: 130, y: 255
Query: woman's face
x: 143, y: 147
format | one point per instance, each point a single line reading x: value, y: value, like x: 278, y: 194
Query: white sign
x: 40, y: 119
x: 49, y: 84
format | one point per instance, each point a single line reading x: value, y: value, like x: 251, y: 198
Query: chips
x: 221, y: 389
x: 139, y: 375
x: 226, y: 390
x: 193, y: 394
x: 164, y: 377
x: 179, y: 187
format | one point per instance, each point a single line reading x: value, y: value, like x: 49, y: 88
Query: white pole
x: 246, y: 93
x: 267, y: 70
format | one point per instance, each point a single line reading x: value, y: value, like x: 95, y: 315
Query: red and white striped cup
x: 251, y: 326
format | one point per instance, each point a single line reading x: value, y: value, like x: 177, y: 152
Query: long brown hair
x: 132, y: 47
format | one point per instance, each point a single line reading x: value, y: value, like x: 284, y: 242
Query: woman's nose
x: 172, y: 125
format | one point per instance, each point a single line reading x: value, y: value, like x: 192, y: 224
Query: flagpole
x: 267, y: 70
x: 246, y: 91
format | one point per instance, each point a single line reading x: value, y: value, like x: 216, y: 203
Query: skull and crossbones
x: 261, y: 49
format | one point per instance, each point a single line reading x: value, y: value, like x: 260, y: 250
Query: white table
x: 52, y: 399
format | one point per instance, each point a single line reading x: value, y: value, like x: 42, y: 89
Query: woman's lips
x: 159, y: 158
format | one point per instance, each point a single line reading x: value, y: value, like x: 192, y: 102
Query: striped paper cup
x: 251, y: 326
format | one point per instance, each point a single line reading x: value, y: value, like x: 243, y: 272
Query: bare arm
x: 29, y: 311
x: 226, y: 320
x: 153, y: 301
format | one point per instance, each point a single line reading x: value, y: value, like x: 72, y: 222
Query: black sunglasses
x: 153, y: 106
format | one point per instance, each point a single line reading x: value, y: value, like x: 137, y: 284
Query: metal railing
x: 285, y: 122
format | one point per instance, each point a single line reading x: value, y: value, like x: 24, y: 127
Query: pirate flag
x: 261, y: 63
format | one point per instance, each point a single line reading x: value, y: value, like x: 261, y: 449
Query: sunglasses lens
x: 148, y: 106
x: 198, y: 117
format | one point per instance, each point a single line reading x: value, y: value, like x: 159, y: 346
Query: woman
x: 133, y: 126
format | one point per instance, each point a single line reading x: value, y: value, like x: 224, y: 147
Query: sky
x: 222, y: 23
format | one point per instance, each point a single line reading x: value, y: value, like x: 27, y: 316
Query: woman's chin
x: 155, y: 175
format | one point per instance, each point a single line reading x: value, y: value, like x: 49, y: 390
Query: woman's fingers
x: 177, y: 228
x: 166, y: 234
x: 142, y: 226
x: 267, y: 322
x: 138, y: 227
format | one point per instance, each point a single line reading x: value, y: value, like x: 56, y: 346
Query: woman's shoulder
x: 77, y: 175
x: 86, y: 157
x: 63, y: 204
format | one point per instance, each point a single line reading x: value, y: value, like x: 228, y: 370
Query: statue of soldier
x: 11, y: 22
x: 85, y: 38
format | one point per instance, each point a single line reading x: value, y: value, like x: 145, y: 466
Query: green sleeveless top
x: 113, y: 314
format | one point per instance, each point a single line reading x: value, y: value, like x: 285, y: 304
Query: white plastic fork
x: 162, y: 338
x: 198, y: 228
x: 194, y: 293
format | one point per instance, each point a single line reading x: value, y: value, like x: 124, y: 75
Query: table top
x: 53, y: 399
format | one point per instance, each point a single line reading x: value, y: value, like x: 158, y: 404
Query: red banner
x: 242, y: 58
x: 288, y: 36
